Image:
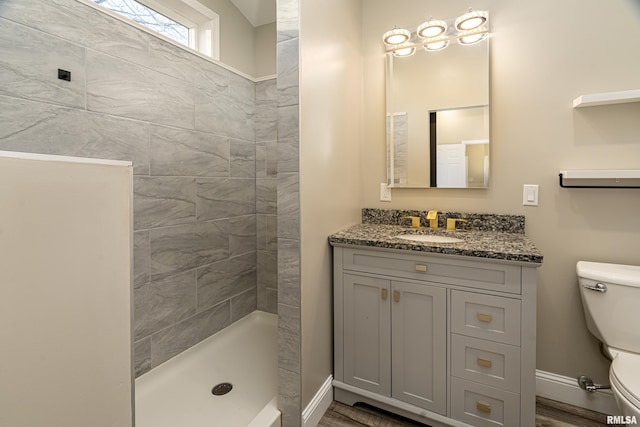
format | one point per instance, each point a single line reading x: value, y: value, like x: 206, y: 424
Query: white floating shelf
x: 607, y: 98
x: 600, y: 178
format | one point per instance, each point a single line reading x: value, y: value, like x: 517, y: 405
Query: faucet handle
x: 432, y: 216
x: 451, y: 223
x: 415, y: 221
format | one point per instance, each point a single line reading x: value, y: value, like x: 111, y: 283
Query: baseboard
x: 319, y: 404
x: 566, y: 390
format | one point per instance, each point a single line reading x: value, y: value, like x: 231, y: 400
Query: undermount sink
x: 428, y: 238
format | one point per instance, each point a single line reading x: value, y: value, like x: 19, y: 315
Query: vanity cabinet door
x: 419, y: 345
x: 367, y: 333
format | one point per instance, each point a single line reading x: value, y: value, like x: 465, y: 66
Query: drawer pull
x: 483, y: 407
x: 384, y: 294
x: 483, y: 317
x: 396, y: 296
x: 421, y: 268
x: 483, y: 362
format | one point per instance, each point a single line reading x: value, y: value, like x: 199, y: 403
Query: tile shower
x: 203, y: 143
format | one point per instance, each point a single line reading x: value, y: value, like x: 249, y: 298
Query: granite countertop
x: 476, y: 243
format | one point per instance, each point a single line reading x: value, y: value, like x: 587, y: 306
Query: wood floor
x: 548, y: 414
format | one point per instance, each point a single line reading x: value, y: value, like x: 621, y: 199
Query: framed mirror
x: 438, y: 117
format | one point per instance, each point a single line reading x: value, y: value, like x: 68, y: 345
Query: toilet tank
x: 612, y: 315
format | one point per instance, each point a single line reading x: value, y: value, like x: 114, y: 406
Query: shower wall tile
x: 261, y: 159
x: 288, y: 20
x: 141, y: 255
x: 164, y: 302
x: 266, y: 196
x: 181, y: 248
x: 289, y: 401
x: 142, y: 356
x: 242, y: 235
x: 266, y: 111
x: 180, y: 152
x: 267, y: 269
x: 243, y: 304
x: 222, y: 280
x: 123, y: 89
x: 268, y: 299
x: 179, y: 337
x: 219, y: 113
x: 163, y: 201
x: 272, y: 233
x: 289, y: 205
x: 29, y: 62
x: 243, y: 159
x: 288, y: 86
x: 289, y: 272
x: 289, y: 340
x: 243, y: 91
x: 81, y: 24
x: 36, y: 127
x: 225, y: 197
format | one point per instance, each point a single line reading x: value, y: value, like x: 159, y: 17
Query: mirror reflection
x: 438, y: 117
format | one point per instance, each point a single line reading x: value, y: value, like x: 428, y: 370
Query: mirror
x: 438, y: 117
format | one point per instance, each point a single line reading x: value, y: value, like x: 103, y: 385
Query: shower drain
x: 222, y: 389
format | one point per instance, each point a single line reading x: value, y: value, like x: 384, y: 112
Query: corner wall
x: 543, y: 55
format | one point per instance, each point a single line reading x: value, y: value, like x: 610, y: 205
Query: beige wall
x: 265, y: 50
x: 330, y: 182
x: 544, y: 53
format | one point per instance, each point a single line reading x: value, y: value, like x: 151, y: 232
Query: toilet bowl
x: 611, y: 298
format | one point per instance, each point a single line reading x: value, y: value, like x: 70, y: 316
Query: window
x: 187, y: 22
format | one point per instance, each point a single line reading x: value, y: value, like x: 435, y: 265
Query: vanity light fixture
x: 431, y: 28
x: 436, y: 44
x: 396, y: 36
x: 405, y: 49
x: 471, y: 20
x: 471, y: 37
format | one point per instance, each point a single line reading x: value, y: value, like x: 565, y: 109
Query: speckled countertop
x: 506, y: 246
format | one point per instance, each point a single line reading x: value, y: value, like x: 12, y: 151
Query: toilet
x: 611, y: 299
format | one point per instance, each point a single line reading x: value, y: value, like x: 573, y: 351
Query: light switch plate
x: 530, y: 195
x: 385, y: 192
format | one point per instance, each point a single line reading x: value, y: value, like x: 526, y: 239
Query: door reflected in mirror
x: 438, y: 117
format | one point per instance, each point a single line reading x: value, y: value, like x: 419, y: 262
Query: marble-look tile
x: 188, y: 153
x: 272, y: 233
x: 267, y: 269
x: 142, y: 356
x: 29, y: 62
x: 182, y: 248
x: 222, y: 280
x: 288, y: 157
x: 244, y: 304
x: 288, y: 67
x: 242, y: 90
x: 177, y: 338
x: 289, y: 205
x: 180, y: 63
x: 268, y: 300
x: 289, y: 342
x: 161, y: 303
x: 289, y: 402
x: 289, y: 124
x: 288, y: 20
x: 242, y: 234
x: 289, y: 272
x: 220, y: 114
x: 243, y: 159
x: 82, y: 24
x: 272, y: 159
x: 163, y: 201
x: 261, y: 232
x: 141, y: 254
x: 225, y: 197
x: 266, y: 196
x: 36, y: 127
x: 266, y: 111
x: 123, y: 89
x: 261, y: 159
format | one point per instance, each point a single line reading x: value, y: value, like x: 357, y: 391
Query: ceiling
x: 257, y: 12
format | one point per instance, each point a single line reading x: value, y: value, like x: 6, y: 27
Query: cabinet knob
x: 420, y: 267
x: 396, y: 296
x: 483, y: 407
x: 483, y: 362
x: 483, y: 317
x: 384, y: 294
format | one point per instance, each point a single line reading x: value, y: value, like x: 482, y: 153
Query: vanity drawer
x: 486, y: 362
x: 485, y: 316
x: 483, y: 406
x: 473, y: 274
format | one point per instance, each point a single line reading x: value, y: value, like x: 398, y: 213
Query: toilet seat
x: 625, y: 375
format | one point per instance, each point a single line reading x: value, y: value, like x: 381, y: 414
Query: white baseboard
x: 318, y: 405
x: 566, y: 390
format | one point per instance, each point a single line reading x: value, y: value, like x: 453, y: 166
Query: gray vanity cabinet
x: 445, y: 340
x: 395, y: 339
